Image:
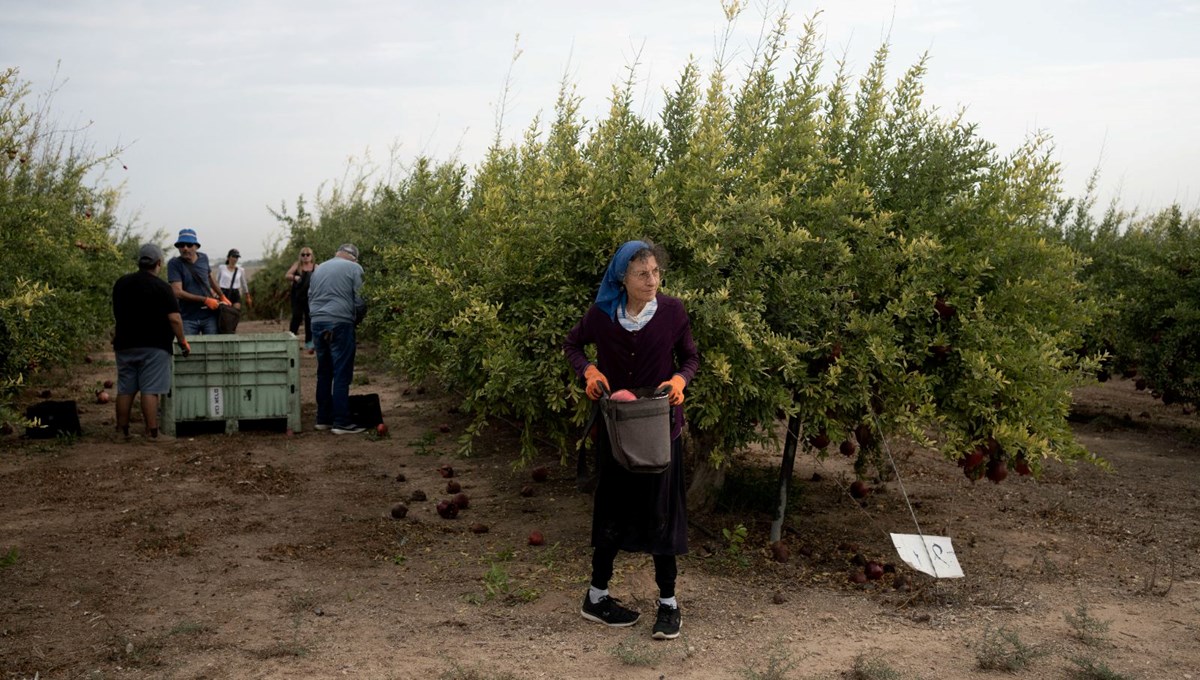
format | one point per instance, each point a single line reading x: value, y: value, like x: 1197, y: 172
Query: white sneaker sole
x: 659, y: 635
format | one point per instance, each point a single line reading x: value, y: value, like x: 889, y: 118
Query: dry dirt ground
x: 262, y: 555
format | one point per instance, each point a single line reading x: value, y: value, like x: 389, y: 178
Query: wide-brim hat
x: 187, y: 236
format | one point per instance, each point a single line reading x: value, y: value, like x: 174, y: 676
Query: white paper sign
x: 933, y: 555
x: 216, y: 402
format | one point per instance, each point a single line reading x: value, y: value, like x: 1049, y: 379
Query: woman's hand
x: 674, y: 388
x: 597, y: 384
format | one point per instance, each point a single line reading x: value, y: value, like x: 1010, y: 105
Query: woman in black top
x: 298, y: 275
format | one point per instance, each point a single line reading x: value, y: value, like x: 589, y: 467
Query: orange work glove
x: 594, y: 379
x: 225, y: 300
x: 211, y: 303
x: 675, y: 386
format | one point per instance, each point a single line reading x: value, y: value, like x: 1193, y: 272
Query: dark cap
x: 233, y: 252
x: 149, y: 255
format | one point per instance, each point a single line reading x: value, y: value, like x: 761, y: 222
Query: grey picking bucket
x: 639, y: 430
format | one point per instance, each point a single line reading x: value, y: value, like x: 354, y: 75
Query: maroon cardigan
x: 645, y: 358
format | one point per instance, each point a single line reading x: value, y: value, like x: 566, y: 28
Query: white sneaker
x: 321, y: 427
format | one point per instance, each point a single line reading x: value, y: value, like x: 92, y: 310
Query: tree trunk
x: 785, y: 475
x: 707, y: 479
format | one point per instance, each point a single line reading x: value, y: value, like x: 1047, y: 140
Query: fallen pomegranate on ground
x: 540, y: 474
x: 461, y: 501
x: 536, y: 538
x: 859, y: 489
x: 779, y: 552
x: 453, y: 486
x: 447, y: 509
x: 399, y: 511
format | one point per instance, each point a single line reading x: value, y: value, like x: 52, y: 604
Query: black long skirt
x: 639, y: 512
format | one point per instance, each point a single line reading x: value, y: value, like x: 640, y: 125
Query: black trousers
x: 299, y: 313
x: 666, y: 570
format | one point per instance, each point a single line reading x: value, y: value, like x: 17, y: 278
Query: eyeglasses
x: 647, y: 275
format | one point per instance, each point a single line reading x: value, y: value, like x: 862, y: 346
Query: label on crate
x: 216, y: 402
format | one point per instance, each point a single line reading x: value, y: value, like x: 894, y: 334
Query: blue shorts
x: 143, y: 369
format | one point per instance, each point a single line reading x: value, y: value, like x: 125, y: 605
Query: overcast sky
x: 226, y: 107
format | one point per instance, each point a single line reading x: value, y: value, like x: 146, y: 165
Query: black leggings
x: 666, y: 569
x: 299, y: 315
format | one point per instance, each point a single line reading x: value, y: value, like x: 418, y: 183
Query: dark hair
x: 651, y: 249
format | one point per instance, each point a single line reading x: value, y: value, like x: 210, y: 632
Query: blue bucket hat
x: 187, y: 236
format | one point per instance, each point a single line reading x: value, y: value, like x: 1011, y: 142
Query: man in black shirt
x: 147, y: 316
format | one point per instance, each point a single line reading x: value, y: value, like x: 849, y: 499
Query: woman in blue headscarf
x: 643, y: 339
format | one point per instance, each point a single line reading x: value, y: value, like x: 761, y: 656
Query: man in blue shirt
x: 335, y: 307
x: 192, y: 280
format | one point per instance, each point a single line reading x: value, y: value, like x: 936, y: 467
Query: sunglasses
x: 186, y: 245
x: 305, y: 254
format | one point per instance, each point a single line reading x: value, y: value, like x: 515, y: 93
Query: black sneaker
x: 609, y: 612
x: 666, y: 624
x: 348, y: 429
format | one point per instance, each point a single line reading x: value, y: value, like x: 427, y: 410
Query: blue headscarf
x: 612, y: 293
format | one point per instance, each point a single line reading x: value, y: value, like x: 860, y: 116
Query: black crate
x: 365, y: 410
x: 55, y: 417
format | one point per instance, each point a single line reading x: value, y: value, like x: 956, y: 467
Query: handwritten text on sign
x: 216, y: 402
x: 933, y: 555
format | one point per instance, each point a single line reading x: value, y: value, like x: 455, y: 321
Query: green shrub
x: 61, y: 240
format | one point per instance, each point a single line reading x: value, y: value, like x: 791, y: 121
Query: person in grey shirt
x: 335, y: 307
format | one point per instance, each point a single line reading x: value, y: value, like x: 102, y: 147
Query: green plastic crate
x: 232, y: 378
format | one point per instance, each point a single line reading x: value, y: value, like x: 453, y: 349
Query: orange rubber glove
x: 675, y: 385
x: 211, y: 303
x: 225, y: 300
x: 594, y: 379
